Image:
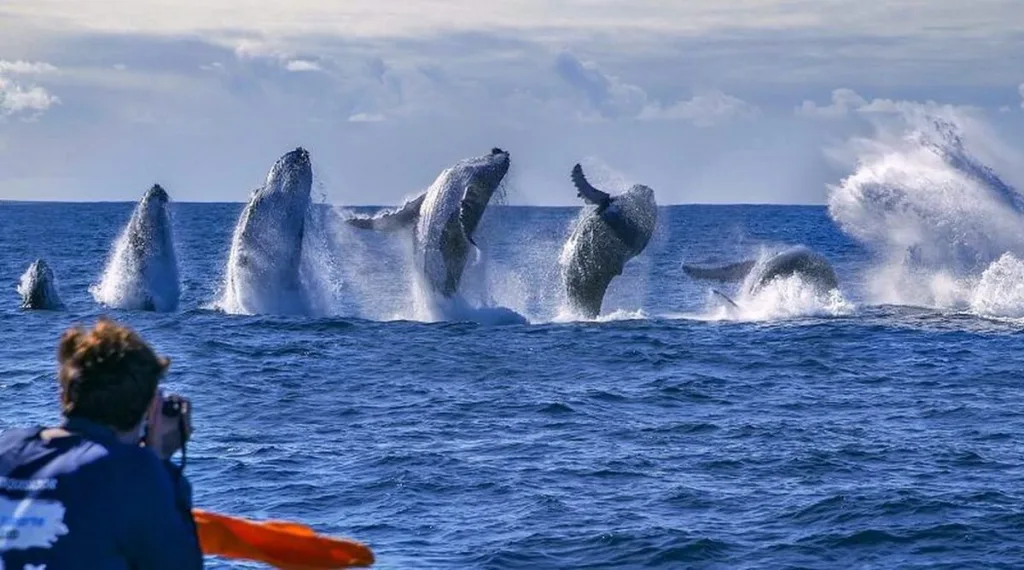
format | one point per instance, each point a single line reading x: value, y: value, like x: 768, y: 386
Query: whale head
x: 292, y: 173
x: 639, y: 208
x: 482, y: 177
x: 152, y: 209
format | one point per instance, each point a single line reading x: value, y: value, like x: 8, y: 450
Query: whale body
x: 142, y: 272
x: 444, y: 219
x: 263, y: 269
x: 617, y: 229
x: 38, y: 288
x: 813, y: 268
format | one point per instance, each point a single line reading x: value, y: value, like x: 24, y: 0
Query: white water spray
x: 939, y: 221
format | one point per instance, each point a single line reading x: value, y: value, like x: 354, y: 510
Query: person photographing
x: 100, y: 491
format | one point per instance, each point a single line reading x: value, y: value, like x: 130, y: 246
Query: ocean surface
x: 876, y: 427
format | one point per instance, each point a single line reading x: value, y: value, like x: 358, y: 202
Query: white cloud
x: 846, y: 101
x: 843, y: 101
x: 704, y: 109
x: 391, y: 18
x: 302, y: 65
x: 611, y: 98
x: 18, y: 99
x: 366, y: 118
x: 25, y: 67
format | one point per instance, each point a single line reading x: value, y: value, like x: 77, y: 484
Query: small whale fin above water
x: 726, y: 273
x: 390, y: 220
x: 589, y: 194
x: 726, y: 297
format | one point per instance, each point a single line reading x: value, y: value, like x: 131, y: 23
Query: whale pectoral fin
x: 390, y: 220
x: 726, y: 297
x: 731, y: 272
x: 589, y: 194
x: 474, y: 201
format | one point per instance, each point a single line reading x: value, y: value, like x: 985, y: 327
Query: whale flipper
x: 391, y: 220
x: 731, y: 272
x: 726, y: 297
x: 471, y: 209
x: 589, y: 194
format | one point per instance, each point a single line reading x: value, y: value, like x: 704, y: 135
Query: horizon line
x: 4, y: 201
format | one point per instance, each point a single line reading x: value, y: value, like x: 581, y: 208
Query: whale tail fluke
x: 392, y: 219
x: 584, y: 189
x: 725, y: 273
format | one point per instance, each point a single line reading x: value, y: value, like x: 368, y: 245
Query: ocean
x: 879, y: 428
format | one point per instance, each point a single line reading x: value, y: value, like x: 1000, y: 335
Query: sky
x: 706, y: 101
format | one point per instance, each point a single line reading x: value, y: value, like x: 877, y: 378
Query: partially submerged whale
x: 605, y: 239
x: 266, y: 248
x: 142, y: 273
x: 445, y: 218
x: 812, y: 267
x: 38, y: 288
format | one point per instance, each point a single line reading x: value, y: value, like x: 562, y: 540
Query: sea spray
x: 141, y: 273
x: 933, y: 214
x: 783, y: 297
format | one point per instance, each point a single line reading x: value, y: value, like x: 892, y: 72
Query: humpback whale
x: 615, y: 231
x: 813, y: 268
x: 445, y: 218
x: 142, y: 273
x: 266, y: 248
x: 38, y: 288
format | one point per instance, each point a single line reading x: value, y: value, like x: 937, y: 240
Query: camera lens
x: 171, y: 408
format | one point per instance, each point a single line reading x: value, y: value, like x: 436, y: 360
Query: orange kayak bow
x: 284, y: 545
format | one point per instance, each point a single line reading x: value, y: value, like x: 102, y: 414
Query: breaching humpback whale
x: 266, y: 248
x: 142, y: 273
x: 812, y: 267
x: 38, y: 288
x: 605, y: 239
x: 445, y: 218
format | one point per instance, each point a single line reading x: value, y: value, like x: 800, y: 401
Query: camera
x: 171, y: 408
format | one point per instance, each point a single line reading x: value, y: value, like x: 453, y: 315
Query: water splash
x: 783, y: 297
x: 935, y: 216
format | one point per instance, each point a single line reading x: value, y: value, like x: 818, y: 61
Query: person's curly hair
x: 108, y: 375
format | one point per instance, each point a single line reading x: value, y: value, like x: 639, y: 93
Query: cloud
x: 25, y: 67
x: 302, y: 65
x: 704, y: 109
x: 1020, y: 89
x: 843, y: 101
x: 846, y: 101
x: 17, y: 99
x: 611, y: 98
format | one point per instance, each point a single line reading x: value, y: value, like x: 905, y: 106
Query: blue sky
x: 705, y: 101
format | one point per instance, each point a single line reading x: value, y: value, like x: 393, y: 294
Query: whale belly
x: 592, y: 257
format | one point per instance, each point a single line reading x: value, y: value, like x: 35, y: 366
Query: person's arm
x: 162, y: 536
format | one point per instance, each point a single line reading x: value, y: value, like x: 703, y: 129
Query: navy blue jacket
x: 91, y: 501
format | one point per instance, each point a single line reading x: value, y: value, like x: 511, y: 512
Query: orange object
x: 284, y: 545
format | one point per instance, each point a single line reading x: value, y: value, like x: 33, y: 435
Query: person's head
x: 108, y: 375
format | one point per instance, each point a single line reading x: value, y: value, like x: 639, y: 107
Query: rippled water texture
x: 671, y: 434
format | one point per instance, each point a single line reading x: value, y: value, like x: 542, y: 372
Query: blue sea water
x: 666, y: 434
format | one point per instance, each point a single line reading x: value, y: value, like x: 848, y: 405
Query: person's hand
x: 164, y: 434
